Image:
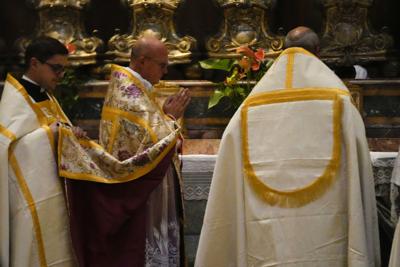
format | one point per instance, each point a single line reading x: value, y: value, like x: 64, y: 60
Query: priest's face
x: 155, y: 65
x: 51, y: 71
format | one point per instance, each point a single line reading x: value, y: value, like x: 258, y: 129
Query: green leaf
x: 215, y: 98
x: 241, y: 91
x: 217, y: 64
x: 228, y: 91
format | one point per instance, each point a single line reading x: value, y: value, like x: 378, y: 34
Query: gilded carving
x: 347, y: 36
x: 356, y: 92
x: 245, y: 24
x: 153, y: 18
x: 62, y: 19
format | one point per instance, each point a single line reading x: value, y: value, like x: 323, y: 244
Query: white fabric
x: 162, y: 225
x: 284, y: 160
x: 361, y: 72
x: 145, y: 82
x: 36, y: 193
x: 289, y: 146
x: 395, y: 252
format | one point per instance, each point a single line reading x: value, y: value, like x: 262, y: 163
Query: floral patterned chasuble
x: 131, y: 123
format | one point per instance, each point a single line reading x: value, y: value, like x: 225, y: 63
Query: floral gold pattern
x: 135, y: 136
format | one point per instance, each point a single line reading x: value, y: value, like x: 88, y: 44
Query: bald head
x: 303, y: 37
x: 149, y: 58
x: 146, y: 47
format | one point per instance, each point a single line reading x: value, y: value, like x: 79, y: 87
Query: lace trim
x: 155, y: 258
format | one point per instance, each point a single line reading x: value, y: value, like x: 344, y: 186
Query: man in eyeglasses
x: 46, y: 59
x: 38, y: 144
x: 34, y: 229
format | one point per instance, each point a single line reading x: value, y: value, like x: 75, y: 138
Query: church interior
x: 360, y: 42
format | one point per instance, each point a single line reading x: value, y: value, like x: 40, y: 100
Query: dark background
x: 198, y: 18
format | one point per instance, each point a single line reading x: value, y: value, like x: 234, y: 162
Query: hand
x: 78, y: 132
x: 176, y: 105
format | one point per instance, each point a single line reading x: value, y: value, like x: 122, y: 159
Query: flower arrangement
x: 242, y: 74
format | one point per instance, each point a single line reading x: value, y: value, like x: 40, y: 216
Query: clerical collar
x: 42, y: 90
x: 145, y: 82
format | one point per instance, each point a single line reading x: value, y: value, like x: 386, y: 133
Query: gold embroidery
x: 58, y: 110
x: 297, y: 92
x: 113, y: 113
x: 139, y: 172
x: 7, y: 133
x: 289, y: 71
x: 302, y: 196
x: 114, y: 131
x: 136, y: 81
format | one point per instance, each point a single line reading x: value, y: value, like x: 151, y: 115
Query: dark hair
x: 44, y: 48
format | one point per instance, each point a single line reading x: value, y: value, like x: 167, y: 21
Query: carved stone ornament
x: 356, y: 92
x: 347, y: 37
x: 153, y: 18
x: 62, y: 20
x: 245, y: 24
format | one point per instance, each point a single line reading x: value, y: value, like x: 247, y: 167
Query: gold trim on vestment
x: 140, y: 85
x: 90, y: 144
x: 139, y: 172
x: 113, y: 114
x: 289, y: 71
x: 39, y: 114
x: 43, y: 121
x: 312, y: 191
x: 59, y: 110
x: 298, y: 92
x: 296, y: 50
x: 47, y: 104
x: 290, y: 52
x: 32, y: 208
x: 7, y: 133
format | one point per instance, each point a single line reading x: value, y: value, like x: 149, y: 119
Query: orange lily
x: 246, y: 51
x: 259, y: 54
x: 244, y: 63
x: 71, y: 48
x: 255, y: 57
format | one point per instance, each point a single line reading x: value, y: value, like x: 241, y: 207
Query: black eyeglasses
x: 57, y: 68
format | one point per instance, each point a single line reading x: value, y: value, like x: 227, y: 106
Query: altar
x: 197, y: 174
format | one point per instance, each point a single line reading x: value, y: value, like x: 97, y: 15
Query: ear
x: 34, y: 62
x: 142, y: 60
